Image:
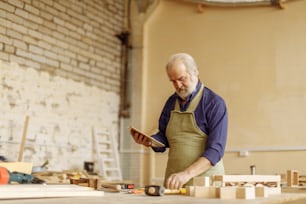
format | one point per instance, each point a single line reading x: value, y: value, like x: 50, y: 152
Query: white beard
x: 184, y: 92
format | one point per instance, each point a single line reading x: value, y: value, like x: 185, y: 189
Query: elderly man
x: 193, y: 125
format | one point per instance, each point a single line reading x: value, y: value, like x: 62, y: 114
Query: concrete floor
x: 124, y: 198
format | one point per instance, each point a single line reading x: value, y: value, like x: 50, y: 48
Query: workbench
x: 124, y: 198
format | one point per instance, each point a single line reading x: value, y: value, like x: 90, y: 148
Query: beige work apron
x: 187, y: 141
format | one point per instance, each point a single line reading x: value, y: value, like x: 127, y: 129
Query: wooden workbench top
x: 124, y: 198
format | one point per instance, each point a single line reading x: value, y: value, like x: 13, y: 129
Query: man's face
x: 183, y: 82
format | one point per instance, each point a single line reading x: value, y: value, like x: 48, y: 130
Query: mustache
x: 182, y: 92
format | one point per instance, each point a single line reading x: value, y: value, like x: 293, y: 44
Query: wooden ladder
x: 107, y: 155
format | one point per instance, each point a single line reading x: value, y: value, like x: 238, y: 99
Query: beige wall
x: 254, y: 57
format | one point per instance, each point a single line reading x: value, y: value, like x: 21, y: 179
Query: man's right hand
x: 140, y: 139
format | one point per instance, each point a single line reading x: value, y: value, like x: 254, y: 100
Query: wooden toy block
x: 190, y: 190
x: 245, y: 193
x: 274, y: 191
x: 302, y: 180
x: 201, y: 181
x: 226, y: 192
x: 205, y: 192
x: 292, y: 178
x: 262, y: 191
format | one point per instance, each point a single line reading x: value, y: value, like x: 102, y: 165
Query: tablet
x: 155, y: 143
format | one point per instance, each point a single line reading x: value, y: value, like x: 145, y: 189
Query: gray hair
x: 187, y: 60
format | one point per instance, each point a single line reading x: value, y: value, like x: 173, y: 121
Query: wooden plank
x: 23, y: 138
x: 23, y: 167
x: 248, y: 178
x: 45, y: 191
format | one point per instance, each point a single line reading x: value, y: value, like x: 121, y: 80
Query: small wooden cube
x: 201, y: 181
x: 190, y: 190
x: 245, y: 193
x: 226, y: 192
x: 262, y: 191
x: 205, y: 192
x: 274, y: 190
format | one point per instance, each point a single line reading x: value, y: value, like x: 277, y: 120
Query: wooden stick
x: 115, y: 187
x: 24, y: 135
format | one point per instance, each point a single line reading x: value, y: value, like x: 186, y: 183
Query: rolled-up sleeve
x: 217, y: 123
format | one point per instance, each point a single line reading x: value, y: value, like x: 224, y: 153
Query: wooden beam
x: 247, y: 178
x: 23, y: 138
x: 45, y: 191
x: 23, y: 167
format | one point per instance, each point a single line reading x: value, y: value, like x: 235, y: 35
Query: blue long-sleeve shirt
x: 211, y: 117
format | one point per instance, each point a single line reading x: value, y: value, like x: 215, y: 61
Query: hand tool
x: 136, y: 191
x: 118, y: 186
x: 114, y: 187
x: 6, y: 177
x: 155, y: 190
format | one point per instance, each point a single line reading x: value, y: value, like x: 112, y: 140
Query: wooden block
x: 22, y: 167
x: 274, y: 190
x: 292, y: 178
x: 302, y: 179
x: 261, y: 191
x: 224, y: 179
x: 201, y: 181
x: 190, y: 190
x: 245, y: 193
x: 205, y: 192
x: 226, y: 192
x: 293, y: 189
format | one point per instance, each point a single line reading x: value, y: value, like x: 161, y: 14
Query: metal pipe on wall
x: 278, y: 3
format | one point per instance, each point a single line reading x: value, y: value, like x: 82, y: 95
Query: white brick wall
x: 62, y: 113
x: 66, y: 33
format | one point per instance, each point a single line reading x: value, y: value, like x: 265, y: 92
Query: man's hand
x: 177, y: 180
x: 140, y: 139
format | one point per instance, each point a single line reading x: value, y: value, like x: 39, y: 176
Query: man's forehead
x: 176, y: 74
x: 177, y: 66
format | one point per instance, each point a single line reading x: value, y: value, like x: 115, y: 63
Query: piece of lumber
x: 245, y: 193
x: 190, y: 190
x: 205, y: 192
x: 289, y: 189
x: 201, y: 181
x: 45, y: 191
x: 262, y: 191
x: 22, y: 167
x: 292, y: 178
x: 274, y: 190
x: 226, y: 193
x: 224, y: 179
x: 23, y: 138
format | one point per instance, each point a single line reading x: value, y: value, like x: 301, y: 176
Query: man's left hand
x: 177, y: 180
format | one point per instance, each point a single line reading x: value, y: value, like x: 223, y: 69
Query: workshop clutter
x: 88, y: 183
